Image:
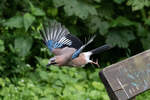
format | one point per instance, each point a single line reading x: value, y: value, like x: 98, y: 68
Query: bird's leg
x: 96, y: 63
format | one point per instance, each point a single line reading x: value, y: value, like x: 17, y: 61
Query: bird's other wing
x: 77, y: 52
x: 57, y: 36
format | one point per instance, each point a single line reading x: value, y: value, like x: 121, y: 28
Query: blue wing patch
x: 76, y: 53
x: 49, y: 44
x: 58, y: 45
x: 52, y: 45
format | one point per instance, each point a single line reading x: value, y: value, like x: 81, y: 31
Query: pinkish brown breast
x: 79, y: 61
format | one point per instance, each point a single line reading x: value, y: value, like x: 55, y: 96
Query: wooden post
x: 126, y: 79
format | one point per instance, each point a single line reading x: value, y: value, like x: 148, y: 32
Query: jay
x: 67, y: 48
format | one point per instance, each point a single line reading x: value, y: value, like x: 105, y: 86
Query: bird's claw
x: 96, y: 63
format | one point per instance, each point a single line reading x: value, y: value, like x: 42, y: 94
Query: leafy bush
x: 54, y: 83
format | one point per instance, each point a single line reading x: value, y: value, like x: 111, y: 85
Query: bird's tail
x: 96, y: 51
x: 101, y: 49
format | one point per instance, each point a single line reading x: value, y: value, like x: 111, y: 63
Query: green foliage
x: 120, y: 38
x: 77, y: 8
x: 119, y: 1
x: 122, y: 21
x: 55, y: 84
x: 36, y: 11
x: 23, y: 74
x: 145, y: 41
x: 145, y: 95
x: 52, y: 11
x: 14, y: 22
x: 138, y: 4
x: 97, y: 24
x: 2, y: 48
x: 23, y: 45
x: 28, y: 20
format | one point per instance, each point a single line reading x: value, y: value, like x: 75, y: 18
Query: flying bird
x: 66, y: 47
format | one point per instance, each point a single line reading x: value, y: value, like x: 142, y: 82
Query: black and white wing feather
x: 77, y: 52
x: 57, y: 36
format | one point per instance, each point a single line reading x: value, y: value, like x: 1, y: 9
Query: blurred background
x: 125, y: 24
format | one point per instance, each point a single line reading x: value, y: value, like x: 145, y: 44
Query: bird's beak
x: 48, y: 65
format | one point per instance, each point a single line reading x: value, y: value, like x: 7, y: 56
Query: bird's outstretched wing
x: 77, y: 52
x: 57, y: 36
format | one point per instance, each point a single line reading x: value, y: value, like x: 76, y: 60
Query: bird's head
x: 52, y: 61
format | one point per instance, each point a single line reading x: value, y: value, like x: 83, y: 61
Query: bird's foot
x: 96, y: 63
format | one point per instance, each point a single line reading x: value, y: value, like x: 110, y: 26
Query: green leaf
x: 119, y: 1
x: 106, y: 11
x: 120, y: 38
x: 122, y: 21
x: 23, y: 45
x: 138, y: 4
x: 142, y: 31
x: 95, y: 24
x: 103, y: 28
x: 43, y: 62
x: 94, y: 94
x: 36, y: 11
x: 98, y: 1
x: 2, y: 48
x: 79, y: 87
x: 52, y: 11
x: 104, y: 96
x: 147, y: 21
x: 146, y: 42
x: 28, y: 20
x: 43, y: 75
x: 98, y: 85
x: 49, y: 97
x: 2, y: 82
x: 14, y: 22
x: 77, y: 8
x: 59, y: 3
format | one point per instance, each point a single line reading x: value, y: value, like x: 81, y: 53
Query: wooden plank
x: 128, y: 78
